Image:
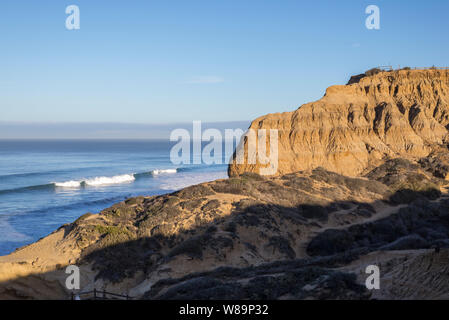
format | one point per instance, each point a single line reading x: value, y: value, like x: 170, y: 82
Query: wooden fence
x: 425, y: 68
x: 100, y: 295
x: 385, y: 68
x: 390, y: 68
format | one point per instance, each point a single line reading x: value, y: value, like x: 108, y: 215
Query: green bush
x: 112, y: 230
x: 83, y: 217
x: 373, y: 71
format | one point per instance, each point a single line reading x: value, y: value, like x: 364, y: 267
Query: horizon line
x: 115, y: 122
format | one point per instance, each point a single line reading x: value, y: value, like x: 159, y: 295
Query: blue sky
x: 178, y: 61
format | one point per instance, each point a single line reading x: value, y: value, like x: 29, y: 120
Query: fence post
x: 95, y: 294
x: 72, y: 296
x: 104, y: 294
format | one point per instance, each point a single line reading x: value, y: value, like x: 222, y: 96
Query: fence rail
x: 431, y: 68
x: 423, y: 68
x: 100, y: 295
x: 385, y: 68
x: 390, y: 68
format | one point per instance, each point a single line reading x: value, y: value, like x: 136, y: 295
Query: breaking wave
x: 95, y: 182
x: 165, y: 171
x: 125, y: 178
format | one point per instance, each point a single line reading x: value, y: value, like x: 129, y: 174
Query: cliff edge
x: 355, y: 127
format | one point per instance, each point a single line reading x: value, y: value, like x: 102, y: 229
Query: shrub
x: 211, y: 205
x: 83, y: 217
x: 372, y: 72
x: 192, y: 247
x: 194, y: 192
x: 252, y: 176
x: 133, y: 201
x: 191, y: 205
x: 233, y: 186
x: 282, y: 245
x: 112, y: 230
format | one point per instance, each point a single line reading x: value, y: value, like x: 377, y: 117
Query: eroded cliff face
x: 358, y: 126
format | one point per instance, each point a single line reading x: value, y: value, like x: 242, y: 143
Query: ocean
x: 47, y: 183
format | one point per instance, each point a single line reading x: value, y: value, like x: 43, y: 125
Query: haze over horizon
x: 102, y: 130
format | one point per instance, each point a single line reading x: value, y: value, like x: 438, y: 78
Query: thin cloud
x: 205, y: 80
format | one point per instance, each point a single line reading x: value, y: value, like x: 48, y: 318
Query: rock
x: 354, y: 127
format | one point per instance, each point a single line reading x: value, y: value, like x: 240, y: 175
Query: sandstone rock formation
x: 357, y: 126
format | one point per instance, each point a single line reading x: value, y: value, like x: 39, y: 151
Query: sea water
x: 47, y: 183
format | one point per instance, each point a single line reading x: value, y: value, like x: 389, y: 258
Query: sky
x: 161, y: 62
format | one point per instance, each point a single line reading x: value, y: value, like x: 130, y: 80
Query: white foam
x: 68, y: 184
x: 98, y: 181
x: 159, y: 171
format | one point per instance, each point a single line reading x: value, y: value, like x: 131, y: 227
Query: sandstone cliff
x: 357, y: 126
